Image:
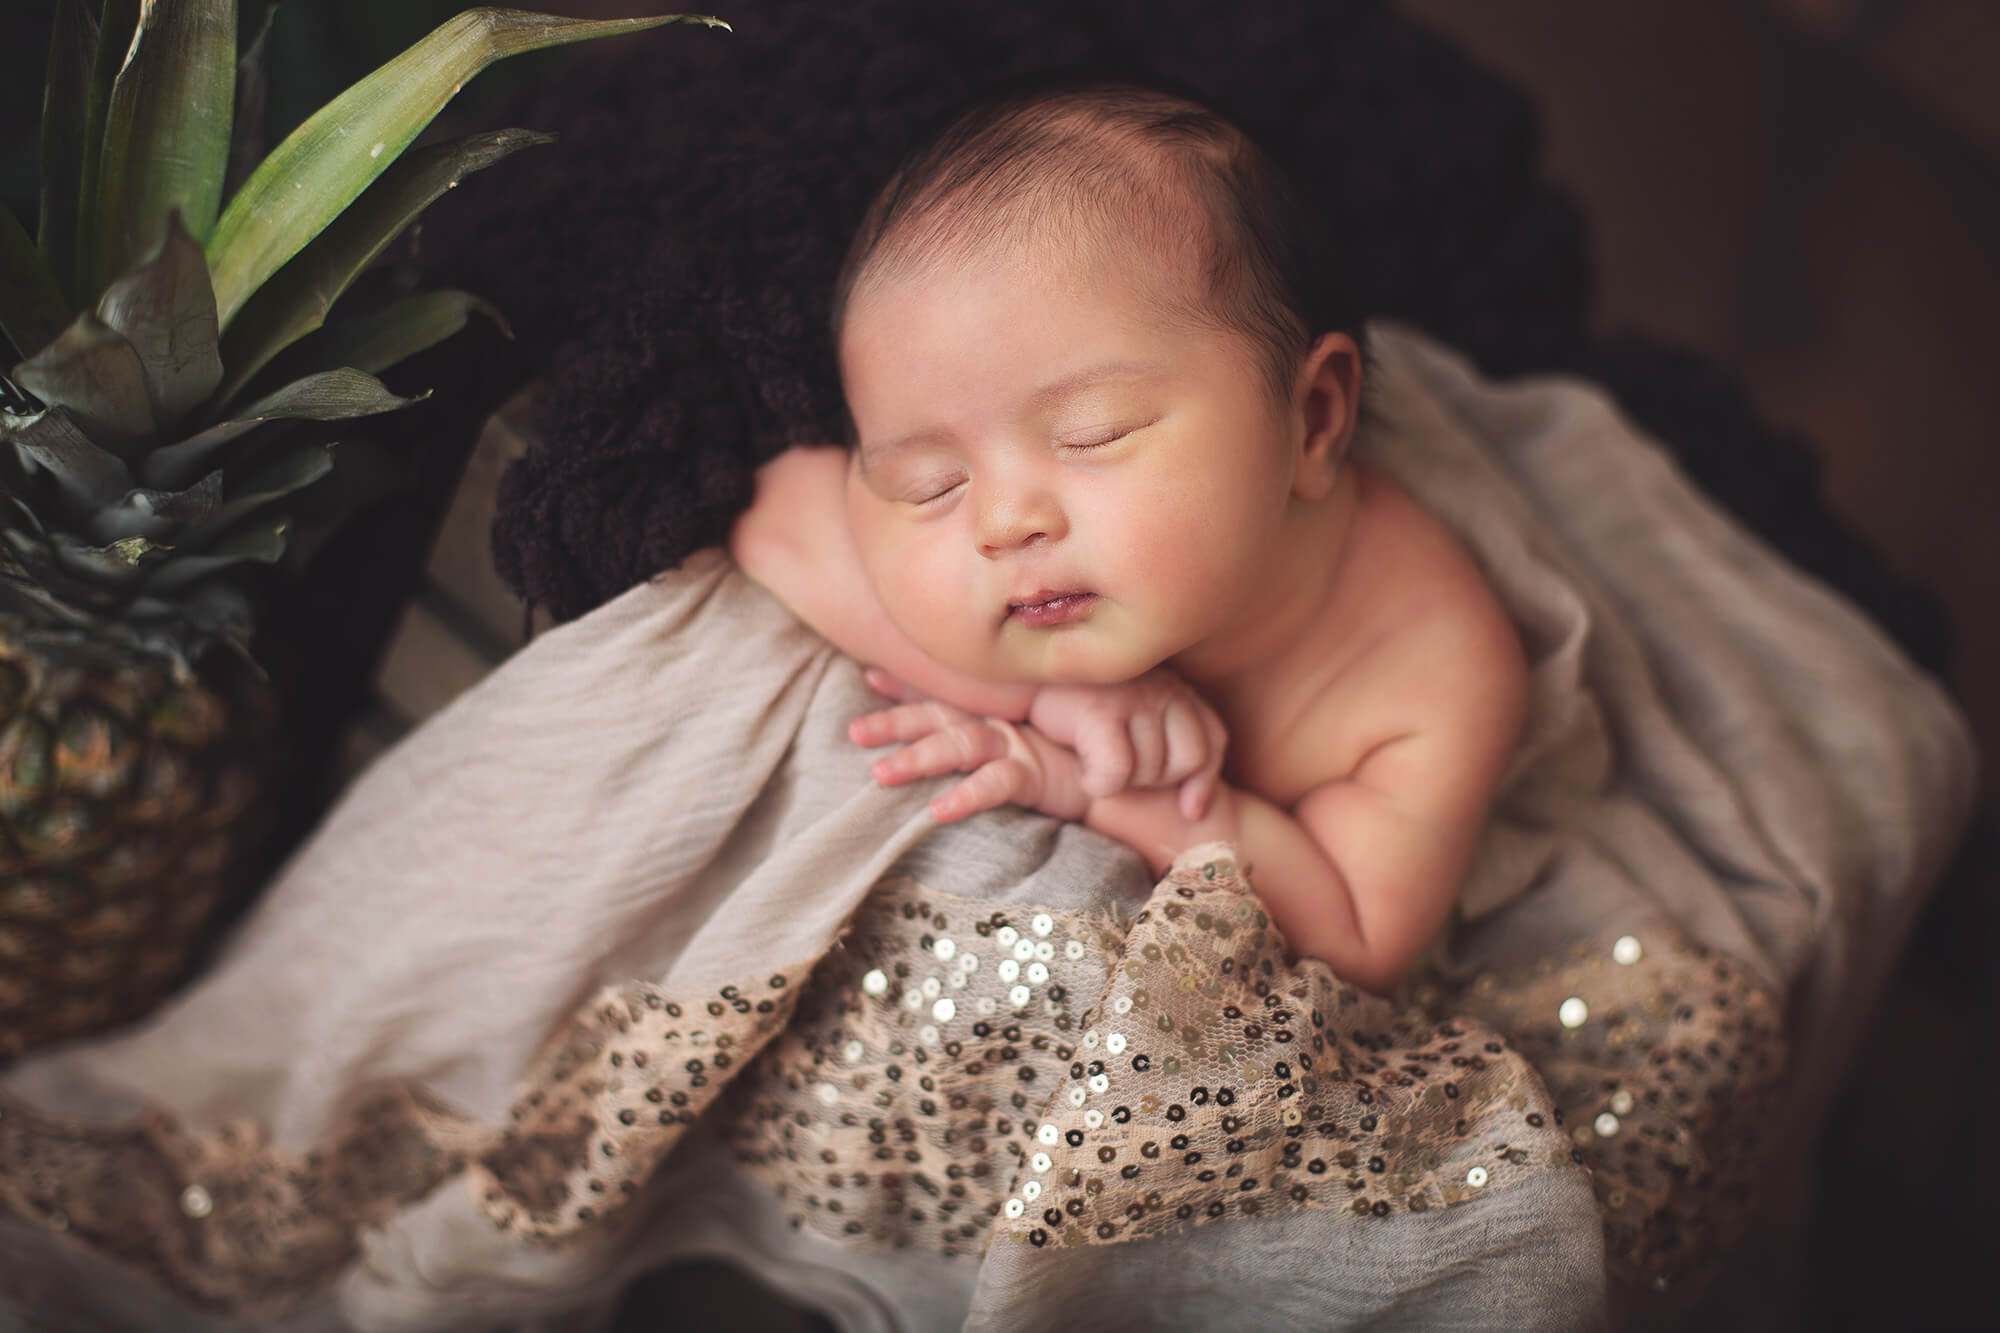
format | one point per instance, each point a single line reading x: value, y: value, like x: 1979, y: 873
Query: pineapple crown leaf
x: 94, y: 373
x: 330, y: 395
x: 65, y: 99
x: 295, y: 301
x: 166, y: 310
x: 375, y: 341
x: 323, y: 165
x: 145, y: 307
x: 165, y: 140
x: 32, y: 308
x: 87, y: 477
x: 150, y: 514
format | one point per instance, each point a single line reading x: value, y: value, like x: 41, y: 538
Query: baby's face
x: 1050, y: 482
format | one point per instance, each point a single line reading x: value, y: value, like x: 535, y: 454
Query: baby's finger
x: 1187, y: 744
x: 1001, y: 782
x: 1105, y: 746
x: 959, y: 748
x: 1149, y: 750
x: 904, y: 722
x: 1196, y: 793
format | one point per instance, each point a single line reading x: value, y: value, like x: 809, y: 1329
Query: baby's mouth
x: 1045, y: 608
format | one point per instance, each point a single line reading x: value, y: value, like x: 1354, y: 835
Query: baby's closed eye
x: 1098, y: 437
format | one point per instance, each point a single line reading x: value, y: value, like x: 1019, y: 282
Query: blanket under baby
x: 623, y: 959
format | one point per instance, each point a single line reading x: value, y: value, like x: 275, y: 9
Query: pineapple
x: 175, y: 400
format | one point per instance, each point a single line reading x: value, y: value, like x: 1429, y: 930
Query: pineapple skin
x: 132, y: 804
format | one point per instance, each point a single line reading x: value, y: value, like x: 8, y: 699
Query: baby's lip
x: 1048, y: 607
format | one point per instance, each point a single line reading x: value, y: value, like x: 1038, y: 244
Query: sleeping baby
x: 1099, y: 535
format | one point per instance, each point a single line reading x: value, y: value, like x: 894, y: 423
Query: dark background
x: 1806, y: 192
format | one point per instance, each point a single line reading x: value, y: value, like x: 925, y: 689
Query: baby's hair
x: 1091, y: 158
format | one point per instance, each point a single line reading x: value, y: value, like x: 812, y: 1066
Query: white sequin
x: 1037, y: 974
x: 944, y: 1010
x: 1628, y: 950
x: 1091, y: 1038
x: 968, y: 962
x: 945, y: 948
x: 1122, y: 1005
x: 851, y: 1052
x: 196, y: 1203
x: 932, y: 988
x: 1099, y: 1082
x: 1573, y: 1012
x: 875, y: 982
x: 1045, y: 951
x: 913, y: 999
x: 1072, y: 949
x: 1115, y: 1043
x: 1048, y: 1134
x: 1093, y: 1118
x: 1005, y: 936
x: 1041, y: 1161
x: 1015, y: 1208
x: 1009, y: 970
x: 928, y: 1034
x: 1043, y: 923
x: 1621, y: 1102
x: 827, y: 1093
x: 1606, y: 1124
x: 1476, y: 1177
x: 1024, y: 949
x: 1076, y: 1096
x: 1018, y: 996
x: 986, y: 1007
x: 1031, y: 1190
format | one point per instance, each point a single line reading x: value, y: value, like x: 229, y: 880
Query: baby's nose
x: 1016, y: 522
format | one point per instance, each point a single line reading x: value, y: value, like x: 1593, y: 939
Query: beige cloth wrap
x: 622, y: 958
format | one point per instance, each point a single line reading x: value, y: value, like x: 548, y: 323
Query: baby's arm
x: 1362, y: 871
x: 794, y: 541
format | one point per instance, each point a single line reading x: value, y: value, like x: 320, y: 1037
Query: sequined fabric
x: 959, y: 1077
x: 223, y: 1219
x: 952, y: 1077
x: 610, y: 1097
x: 1665, y: 1059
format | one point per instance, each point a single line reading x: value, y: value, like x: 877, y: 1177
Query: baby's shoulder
x: 1441, y: 655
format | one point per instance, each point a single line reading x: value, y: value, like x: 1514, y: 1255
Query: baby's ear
x: 1327, y: 402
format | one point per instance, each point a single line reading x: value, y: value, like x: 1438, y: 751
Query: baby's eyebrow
x: 1089, y: 377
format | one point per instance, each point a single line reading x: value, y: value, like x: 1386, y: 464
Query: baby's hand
x: 1008, y: 764
x: 1152, y: 731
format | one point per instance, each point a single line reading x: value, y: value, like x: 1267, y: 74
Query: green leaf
x: 32, y: 309
x: 65, y: 109
x: 166, y: 310
x: 330, y: 159
x: 93, y: 372
x: 111, y: 565
x: 296, y: 299
x: 89, y: 477
x: 331, y: 395
x: 158, y: 515
x: 380, y: 339
x: 292, y: 470
x: 114, y: 41
x: 262, y: 542
x: 166, y: 132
